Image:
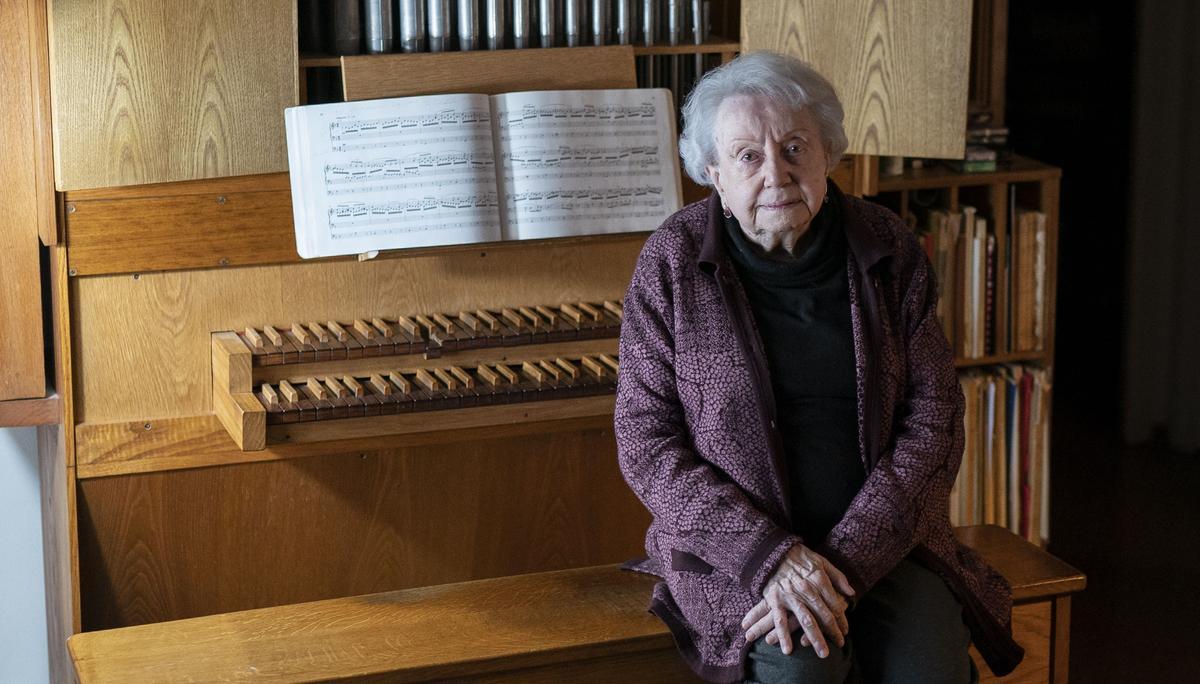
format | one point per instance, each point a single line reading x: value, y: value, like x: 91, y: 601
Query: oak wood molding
x: 31, y: 412
x: 216, y: 223
x: 21, y: 352
x: 491, y: 72
x: 153, y: 445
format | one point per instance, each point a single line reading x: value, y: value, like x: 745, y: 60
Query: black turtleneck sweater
x: 801, y: 305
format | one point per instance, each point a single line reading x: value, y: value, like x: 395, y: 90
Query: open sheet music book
x: 451, y: 169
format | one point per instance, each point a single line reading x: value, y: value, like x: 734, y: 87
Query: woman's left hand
x: 806, y: 591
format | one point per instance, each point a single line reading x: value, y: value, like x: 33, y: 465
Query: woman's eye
x: 748, y: 156
x: 795, y: 149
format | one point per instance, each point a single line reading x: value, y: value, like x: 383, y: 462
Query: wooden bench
x: 588, y: 624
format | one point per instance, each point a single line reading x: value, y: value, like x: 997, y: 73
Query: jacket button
x: 772, y: 425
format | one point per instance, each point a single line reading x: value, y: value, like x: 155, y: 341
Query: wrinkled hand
x: 805, y: 592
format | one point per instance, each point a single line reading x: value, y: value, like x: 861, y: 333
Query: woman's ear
x: 714, y: 175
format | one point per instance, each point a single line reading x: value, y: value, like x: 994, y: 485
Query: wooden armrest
x: 1033, y: 573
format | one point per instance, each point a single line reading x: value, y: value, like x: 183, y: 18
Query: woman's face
x: 771, y: 167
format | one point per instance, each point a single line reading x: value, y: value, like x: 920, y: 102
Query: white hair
x: 785, y: 80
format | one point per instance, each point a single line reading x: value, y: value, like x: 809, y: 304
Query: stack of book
x: 1004, y: 477
x: 992, y: 290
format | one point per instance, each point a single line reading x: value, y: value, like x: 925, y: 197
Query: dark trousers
x: 908, y: 628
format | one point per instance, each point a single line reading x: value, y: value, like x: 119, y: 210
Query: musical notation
x: 424, y: 169
x: 447, y: 169
x: 560, y: 115
x: 475, y: 140
x: 446, y: 119
x: 417, y: 211
x: 604, y: 195
x: 641, y: 156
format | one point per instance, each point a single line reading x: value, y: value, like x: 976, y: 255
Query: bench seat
x: 587, y: 624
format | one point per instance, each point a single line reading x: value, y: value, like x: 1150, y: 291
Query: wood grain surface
x: 42, y: 126
x: 490, y: 72
x: 30, y: 412
x: 142, y: 343
x: 60, y: 547
x: 581, y: 615
x: 21, y: 354
x: 171, y: 545
x: 455, y: 631
x: 126, y: 448
x: 238, y: 221
x: 899, y: 66
x: 1031, y: 629
x: 1033, y: 573
x: 147, y: 91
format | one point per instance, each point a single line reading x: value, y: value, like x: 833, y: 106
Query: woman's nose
x: 775, y: 170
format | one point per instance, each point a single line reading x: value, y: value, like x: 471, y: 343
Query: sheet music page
x: 578, y: 162
x: 394, y: 173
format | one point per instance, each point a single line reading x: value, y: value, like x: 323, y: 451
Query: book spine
x: 989, y: 310
x: 1026, y: 439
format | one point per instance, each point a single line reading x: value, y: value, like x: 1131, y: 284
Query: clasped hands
x: 805, y: 592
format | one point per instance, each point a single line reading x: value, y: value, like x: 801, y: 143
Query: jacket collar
x: 868, y: 248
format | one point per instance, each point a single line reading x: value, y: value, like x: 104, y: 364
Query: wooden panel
x: 489, y: 72
x: 239, y: 221
x: 197, y: 441
x: 903, y: 78
x: 1060, y: 640
x: 1033, y: 573
x: 204, y: 224
x: 142, y: 342
x: 1031, y: 629
x: 43, y: 158
x: 562, y: 618
x: 30, y: 412
x: 146, y: 91
x: 21, y: 355
x: 60, y: 548
x: 1019, y: 169
x: 178, y: 544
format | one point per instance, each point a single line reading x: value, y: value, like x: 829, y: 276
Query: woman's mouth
x: 776, y: 206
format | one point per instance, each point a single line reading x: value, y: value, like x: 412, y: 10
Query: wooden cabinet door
x: 900, y: 67
x: 149, y: 91
x: 22, y: 369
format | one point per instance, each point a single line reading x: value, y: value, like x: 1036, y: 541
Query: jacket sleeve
x: 919, y: 465
x: 689, y: 498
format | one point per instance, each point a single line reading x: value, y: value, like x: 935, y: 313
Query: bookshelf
x: 1001, y: 481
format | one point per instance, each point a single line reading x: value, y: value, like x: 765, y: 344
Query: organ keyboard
x: 360, y: 370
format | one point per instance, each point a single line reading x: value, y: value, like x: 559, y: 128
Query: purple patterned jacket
x: 697, y: 443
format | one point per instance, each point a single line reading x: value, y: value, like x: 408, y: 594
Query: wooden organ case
x: 242, y: 429
x: 246, y: 430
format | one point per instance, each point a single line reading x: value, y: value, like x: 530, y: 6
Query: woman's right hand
x: 810, y: 590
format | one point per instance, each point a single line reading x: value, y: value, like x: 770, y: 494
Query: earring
x: 725, y: 210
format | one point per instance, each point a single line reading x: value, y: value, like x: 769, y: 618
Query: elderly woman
x: 789, y: 412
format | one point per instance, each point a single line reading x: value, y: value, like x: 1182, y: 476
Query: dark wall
x: 1069, y: 101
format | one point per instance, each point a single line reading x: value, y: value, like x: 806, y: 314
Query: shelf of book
x: 992, y: 239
